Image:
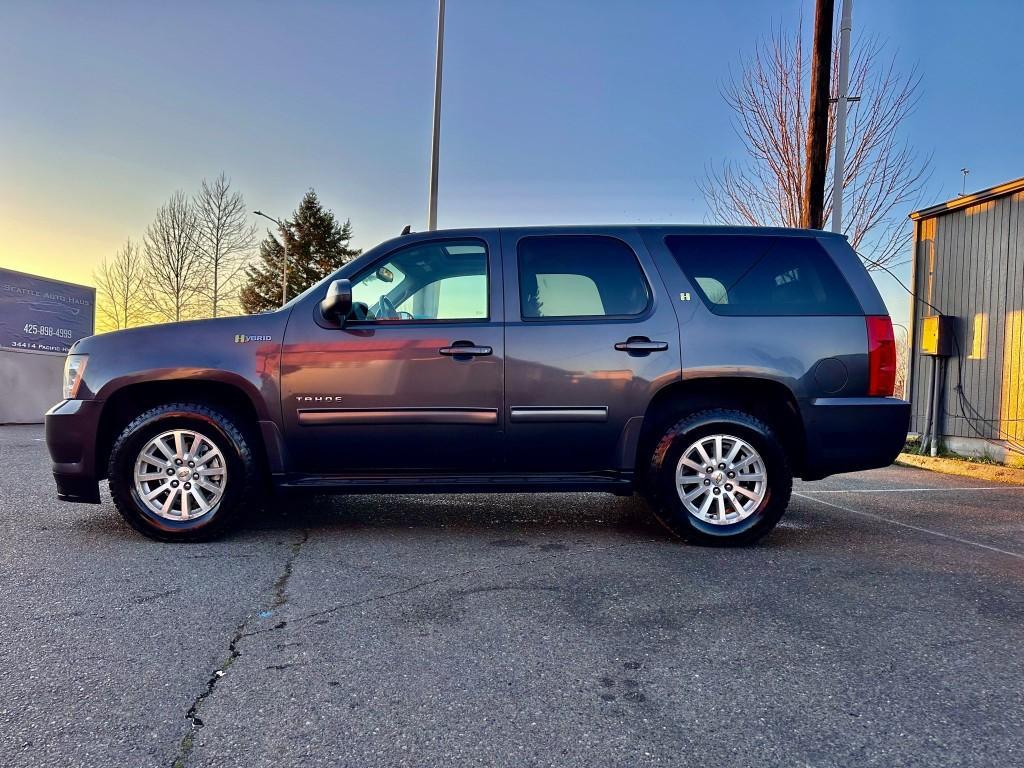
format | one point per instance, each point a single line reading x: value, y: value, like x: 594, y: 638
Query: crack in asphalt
x: 279, y: 598
x: 140, y: 599
x: 450, y: 577
x: 281, y: 584
x: 187, y: 742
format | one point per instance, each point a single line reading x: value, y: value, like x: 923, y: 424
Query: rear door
x: 590, y: 337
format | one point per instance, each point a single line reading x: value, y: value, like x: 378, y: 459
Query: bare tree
x: 769, y: 99
x: 902, y: 361
x: 119, y: 283
x: 174, y: 261
x: 226, y: 241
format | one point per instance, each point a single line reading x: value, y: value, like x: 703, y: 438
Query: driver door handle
x: 464, y: 349
x: 641, y: 345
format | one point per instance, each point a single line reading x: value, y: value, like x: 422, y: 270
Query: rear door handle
x: 641, y: 345
x: 465, y: 349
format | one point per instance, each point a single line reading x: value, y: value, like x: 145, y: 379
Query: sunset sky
x: 597, y: 111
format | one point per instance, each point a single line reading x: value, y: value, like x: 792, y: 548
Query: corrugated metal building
x: 969, y: 263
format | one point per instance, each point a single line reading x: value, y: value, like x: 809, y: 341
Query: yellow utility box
x: 937, y: 335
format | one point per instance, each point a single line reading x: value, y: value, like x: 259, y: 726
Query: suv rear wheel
x: 720, y: 477
x: 181, y: 472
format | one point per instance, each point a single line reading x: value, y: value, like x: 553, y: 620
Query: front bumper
x: 71, y: 440
x: 848, y: 434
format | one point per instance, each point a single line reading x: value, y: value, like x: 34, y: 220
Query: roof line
x: 963, y: 201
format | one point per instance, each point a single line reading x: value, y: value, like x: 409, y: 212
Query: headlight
x: 74, y: 368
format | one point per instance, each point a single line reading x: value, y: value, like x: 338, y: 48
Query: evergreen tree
x: 317, y: 246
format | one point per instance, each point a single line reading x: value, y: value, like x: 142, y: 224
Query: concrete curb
x: 989, y: 472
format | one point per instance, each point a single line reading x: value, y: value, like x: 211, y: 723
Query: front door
x: 413, y: 381
x: 591, y: 336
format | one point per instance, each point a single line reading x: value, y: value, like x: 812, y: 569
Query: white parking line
x: 916, y: 490
x: 884, y: 519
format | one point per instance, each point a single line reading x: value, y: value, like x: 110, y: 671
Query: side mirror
x: 337, y: 305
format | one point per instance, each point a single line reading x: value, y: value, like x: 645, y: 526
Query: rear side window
x: 579, y: 276
x: 756, y: 275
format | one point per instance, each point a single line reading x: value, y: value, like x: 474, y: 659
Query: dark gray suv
x: 702, y: 366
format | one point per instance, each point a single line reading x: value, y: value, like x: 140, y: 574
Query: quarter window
x: 579, y: 276
x: 425, y: 281
x: 758, y: 275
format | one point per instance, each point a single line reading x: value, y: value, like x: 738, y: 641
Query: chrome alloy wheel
x: 180, y: 475
x: 721, y: 479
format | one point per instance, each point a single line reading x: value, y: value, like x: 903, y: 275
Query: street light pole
x: 436, y: 138
x: 284, y: 261
x: 842, y: 105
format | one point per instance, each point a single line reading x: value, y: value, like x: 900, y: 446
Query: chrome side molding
x: 574, y: 414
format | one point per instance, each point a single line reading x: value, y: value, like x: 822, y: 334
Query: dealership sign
x: 42, y: 315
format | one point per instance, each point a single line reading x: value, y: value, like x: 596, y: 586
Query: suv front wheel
x: 181, y: 472
x: 720, y: 477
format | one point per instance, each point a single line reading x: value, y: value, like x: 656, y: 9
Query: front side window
x: 763, y: 275
x: 568, y: 276
x: 444, y: 280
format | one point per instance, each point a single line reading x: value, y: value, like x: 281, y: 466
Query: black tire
x: 230, y: 437
x: 666, y: 501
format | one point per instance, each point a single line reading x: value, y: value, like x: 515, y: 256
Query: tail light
x: 881, y: 356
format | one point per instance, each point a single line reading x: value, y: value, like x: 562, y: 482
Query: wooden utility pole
x: 813, y: 214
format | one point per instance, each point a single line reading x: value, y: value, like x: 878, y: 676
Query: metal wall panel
x: 1012, y: 401
x: 923, y: 287
x: 969, y: 263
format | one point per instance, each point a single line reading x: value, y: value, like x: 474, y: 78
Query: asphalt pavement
x: 882, y: 624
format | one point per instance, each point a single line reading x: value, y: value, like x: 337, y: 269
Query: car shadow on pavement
x: 464, y: 512
x: 501, y: 517
x: 513, y: 515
